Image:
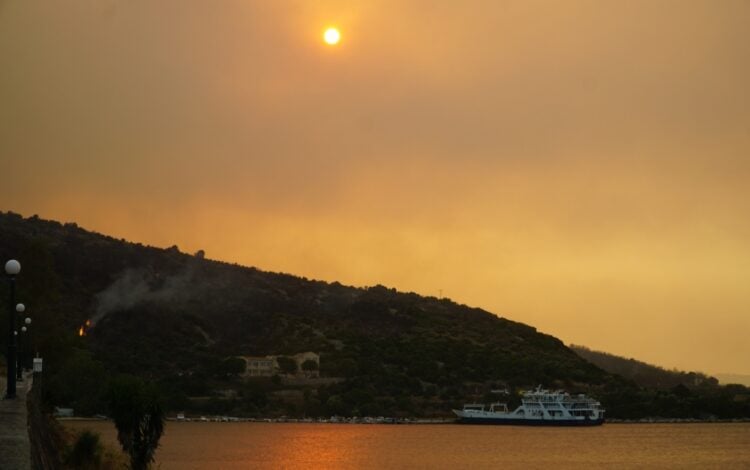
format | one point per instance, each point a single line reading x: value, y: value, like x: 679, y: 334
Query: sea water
x: 200, y: 445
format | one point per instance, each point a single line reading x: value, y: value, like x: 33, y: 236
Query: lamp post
x: 28, y: 338
x: 19, y: 366
x: 20, y: 308
x: 30, y: 344
x: 21, y: 349
x: 12, y: 268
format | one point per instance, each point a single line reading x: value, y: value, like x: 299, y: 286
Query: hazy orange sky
x: 580, y: 166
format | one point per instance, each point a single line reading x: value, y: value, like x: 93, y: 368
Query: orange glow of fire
x: 83, y: 328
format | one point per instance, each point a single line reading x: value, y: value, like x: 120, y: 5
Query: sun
x: 331, y: 36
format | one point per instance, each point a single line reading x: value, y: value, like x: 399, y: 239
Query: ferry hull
x: 532, y: 422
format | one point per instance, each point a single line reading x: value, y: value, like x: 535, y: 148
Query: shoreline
x: 395, y: 421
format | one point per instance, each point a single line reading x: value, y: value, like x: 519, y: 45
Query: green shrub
x: 87, y: 451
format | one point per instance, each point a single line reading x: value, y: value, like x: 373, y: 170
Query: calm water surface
x: 187, y: 446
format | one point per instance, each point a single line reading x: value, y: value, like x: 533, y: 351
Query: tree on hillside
x: 309, y: 365
x: 137, y: 412
x: 287, y: 364
x: 79, y: 382
x: 232, y: 366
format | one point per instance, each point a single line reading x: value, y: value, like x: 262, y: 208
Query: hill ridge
x: 391, y: 353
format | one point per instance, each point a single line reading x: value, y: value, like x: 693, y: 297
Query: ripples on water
x: 203, y: 446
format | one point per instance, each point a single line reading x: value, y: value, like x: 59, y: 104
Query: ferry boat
x: 538, y: 407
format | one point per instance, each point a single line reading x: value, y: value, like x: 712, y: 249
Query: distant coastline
x: 729, y: 378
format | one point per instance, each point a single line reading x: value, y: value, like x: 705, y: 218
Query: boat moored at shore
x: 538, y: 407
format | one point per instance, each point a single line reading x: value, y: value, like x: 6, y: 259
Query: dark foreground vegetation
x: 180, y: 321
x: 137, y: 415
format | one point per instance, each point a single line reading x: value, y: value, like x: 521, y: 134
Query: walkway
x: 15, y: 452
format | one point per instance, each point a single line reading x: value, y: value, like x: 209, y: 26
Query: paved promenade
x: 15, y: 451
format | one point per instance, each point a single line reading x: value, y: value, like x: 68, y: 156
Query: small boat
x: 538, y: 408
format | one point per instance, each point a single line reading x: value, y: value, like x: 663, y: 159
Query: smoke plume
x: 135, y: 286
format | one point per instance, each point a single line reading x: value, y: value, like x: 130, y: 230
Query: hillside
x: 181, y: 320
x: 645, y: 375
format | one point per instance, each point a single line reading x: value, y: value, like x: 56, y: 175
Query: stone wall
x: 44, y: 432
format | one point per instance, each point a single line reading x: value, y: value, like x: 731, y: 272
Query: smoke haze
x: 580, y: 166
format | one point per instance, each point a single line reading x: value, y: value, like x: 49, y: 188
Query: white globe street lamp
x: 12, y: 267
